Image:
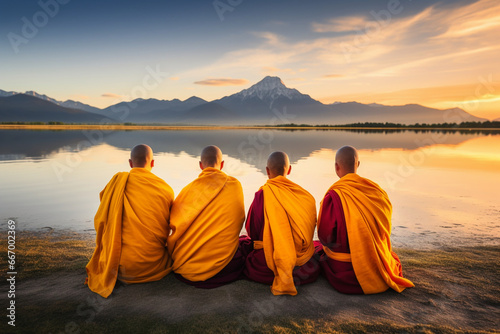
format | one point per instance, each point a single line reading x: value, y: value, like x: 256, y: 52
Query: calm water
x: 445, y: 187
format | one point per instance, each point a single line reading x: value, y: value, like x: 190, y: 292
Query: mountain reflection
x: 251, y: 146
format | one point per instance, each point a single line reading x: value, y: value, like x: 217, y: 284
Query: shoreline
x: 113, y: 127
x: 457, y: 290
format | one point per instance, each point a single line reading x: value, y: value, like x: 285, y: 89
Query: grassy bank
x: 457, y: 291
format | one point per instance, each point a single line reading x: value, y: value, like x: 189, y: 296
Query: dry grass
x: 45, y: 253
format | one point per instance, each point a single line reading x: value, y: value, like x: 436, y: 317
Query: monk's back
x: 207, y: 217
x: 147, y: 203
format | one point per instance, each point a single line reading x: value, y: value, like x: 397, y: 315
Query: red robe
x: 256, y: 267
x: 231, y: 272
x: 332, y: 233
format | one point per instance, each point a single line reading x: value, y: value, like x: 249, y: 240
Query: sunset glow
x: 438, y: 54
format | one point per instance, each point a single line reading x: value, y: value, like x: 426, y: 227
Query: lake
x: 444, y: 186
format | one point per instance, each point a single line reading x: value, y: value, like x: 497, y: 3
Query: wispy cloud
x: 111, y: 95
x: 341, y: 24
x: 222, y: 82
x: 477, y: 18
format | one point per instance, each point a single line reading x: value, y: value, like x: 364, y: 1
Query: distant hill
x: 151, y: 110
x: 26, y: 108
x: 267, y: 102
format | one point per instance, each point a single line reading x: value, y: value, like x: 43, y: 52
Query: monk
x: 354, y: 227
x: 206, y: 221
x: 132, y: 227
x: 280, y: 226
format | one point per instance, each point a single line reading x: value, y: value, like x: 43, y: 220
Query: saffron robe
x: 367, y: 215
x: 280, y: 227
x: 131, y: 231
x: 206, y: 220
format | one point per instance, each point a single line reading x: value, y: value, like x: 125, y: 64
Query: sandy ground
x: 459, y: 292
x: 252, y: 304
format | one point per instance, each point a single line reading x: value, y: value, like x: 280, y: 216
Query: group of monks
x: 143, y: 233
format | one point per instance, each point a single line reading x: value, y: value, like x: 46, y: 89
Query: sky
x: 441, y: 54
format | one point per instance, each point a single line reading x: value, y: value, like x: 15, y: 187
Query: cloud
x: 111, y: 95
x: 174, y: 78
x: 477, y: 18
x: 222, y: 82
x: 342, y: 24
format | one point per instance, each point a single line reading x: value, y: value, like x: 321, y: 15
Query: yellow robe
x: 206, y: 220
x: 131, y: 231
x: 289, y: 222
x: 368, y: 212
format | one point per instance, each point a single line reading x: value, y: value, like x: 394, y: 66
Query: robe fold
x: 367, y: 215
x: 206, y: 219
x: 131, y: 226
x: 280, y: 224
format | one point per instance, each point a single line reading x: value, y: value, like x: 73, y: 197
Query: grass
x: 41, y: 254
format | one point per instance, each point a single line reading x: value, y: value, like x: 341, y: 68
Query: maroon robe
x: 232, y: 271
x: 332, y: 233
x: 256, y: 267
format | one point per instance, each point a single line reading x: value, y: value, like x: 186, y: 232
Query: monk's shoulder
x: 116, y: 177
x: 233, y: 180
x: 164, y: 185
x: 234, y: 183
x: 304, y: 190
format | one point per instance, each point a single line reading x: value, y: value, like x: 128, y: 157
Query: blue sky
x: 441, y: 54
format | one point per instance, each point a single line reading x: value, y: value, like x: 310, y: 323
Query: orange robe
x: 289, y: 222
x: 367, y: 211
x: 206, y: 220
x: 131, y: 231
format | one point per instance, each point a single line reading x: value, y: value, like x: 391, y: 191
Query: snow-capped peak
x: 269, y: 88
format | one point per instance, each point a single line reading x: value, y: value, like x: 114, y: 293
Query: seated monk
x: 280, y: 226
x: 354, y: 227
x: 132, y: 227
x: 206, y: 221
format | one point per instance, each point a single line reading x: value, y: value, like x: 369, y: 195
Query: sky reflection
x: 443, y: 193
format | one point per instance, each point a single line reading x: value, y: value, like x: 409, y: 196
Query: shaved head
x: 141, y: 156
x: 278, y: 164
x: 346, y: 160
x: 211, y: 156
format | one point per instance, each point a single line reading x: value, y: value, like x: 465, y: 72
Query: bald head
x: 141, y: 156
x: 346, y: 161
x: 278, y: 164
x: 211, y: 156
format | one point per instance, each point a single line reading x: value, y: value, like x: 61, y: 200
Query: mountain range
x: 267, y: 102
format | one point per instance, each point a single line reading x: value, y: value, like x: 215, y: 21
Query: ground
x: 457, y: 291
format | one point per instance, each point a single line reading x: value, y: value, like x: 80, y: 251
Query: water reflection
x: 444, y: 185
x: 252, y: 146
